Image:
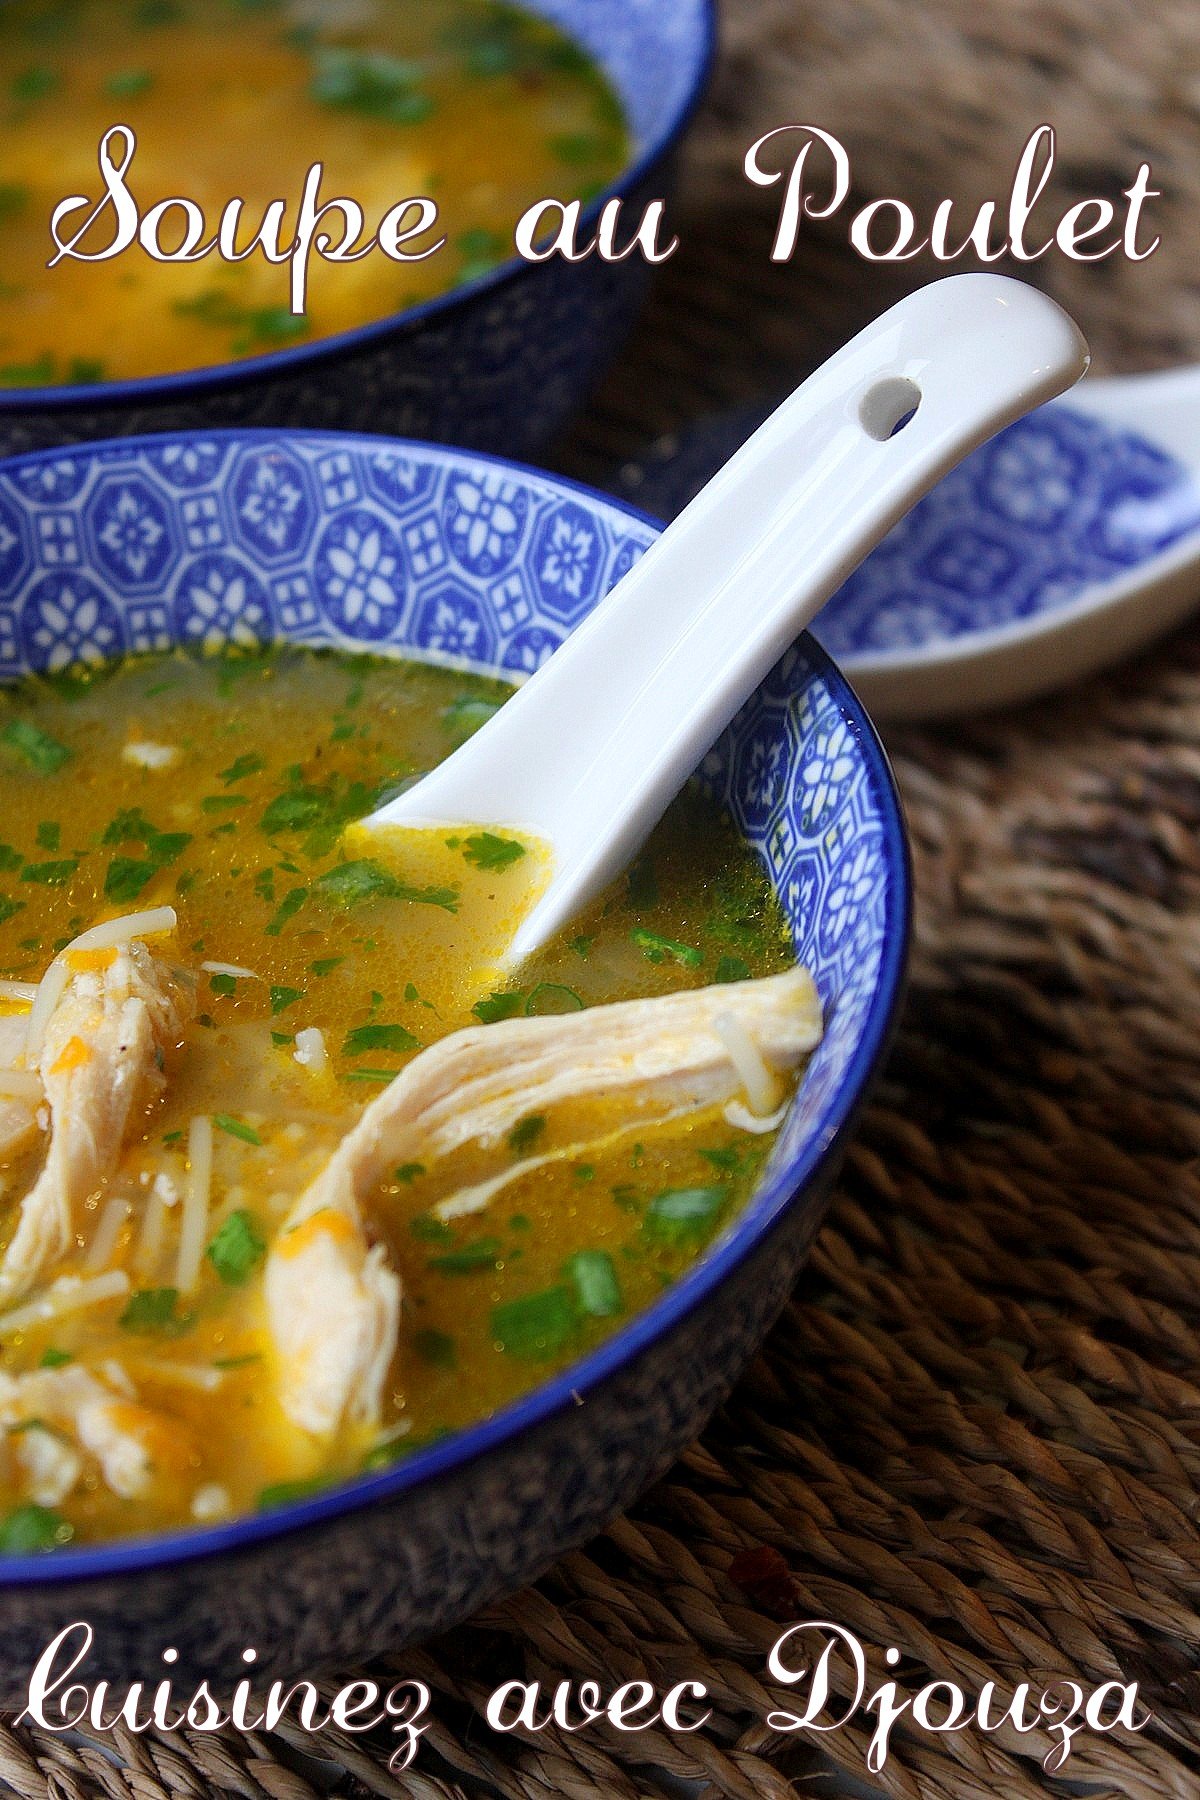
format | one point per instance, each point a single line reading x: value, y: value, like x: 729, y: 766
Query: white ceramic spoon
x: 588, y: 754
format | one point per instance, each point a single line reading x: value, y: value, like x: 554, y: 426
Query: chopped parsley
x: 537, y: 1326
x: 236, y: 1128
x: 487, y: 851
x: 525, y: 1133
x: 656, y: 948
x: 34, y: 746
x: 379, y: 1037
x: 681, y: 1215
x: 153, y: 1312
x: 29, y: 1529
x: 237, y: 1248
x: 597, y: 1290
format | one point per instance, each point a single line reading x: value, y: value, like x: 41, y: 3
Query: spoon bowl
x: 589, y: 753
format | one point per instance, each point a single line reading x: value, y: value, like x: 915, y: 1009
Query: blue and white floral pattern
x: 66, y: 621
x: 221, y: 601
x: 271, y: 494
x: 1057, y: 503
x: 132, y: 533
x: 484, y: 518
x: 359, y: 575
x: 568, y: 555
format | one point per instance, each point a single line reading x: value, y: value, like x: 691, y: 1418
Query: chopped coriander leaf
x: 13, y: 199
x: 237, y: 1247
x: 127, y: 876
x: 236, y: 1128
x: 249, y: 764
x: 54, y: 1359
x: 519, y: 1222
x: 426, y: 1227
x: 383, y: 1075
x: 284, y: 1493
x: 369, y: 82
x: 325, y: 965
x: 216, y: 803
x: 408, y: 1171
x: 237, y: 1362
x: 49, y: 834
x: 9, y: 858
x: 656, y: 948
x: 33, y: 374
x: 34, y: 83
x: 379, y: 1037
x: 537, y: 1326
x: 289, y: 906
x: 9, y: 908
x: 683, y: 1214
x: 578, y: 148
x: 487, y: 851
x: 84, y: 371
x: 31, y: 1528
x: 127, y: 84
x: 723, y: 1157
x: 436, y: 1347
x: 152, y: 1311
x: 280, y: 1038
x: 732, y: 968
x: 597, y: 1290
x: 482, y: 1254
x: 283, y: 997
x: 224, y: 985
x: 499, y: 1006
x: 350, y: 883
x: 381, y: 1456
x: 50, y: 874
x: 581, y: 945
x: 35, y: 746
x: 525, y: 1133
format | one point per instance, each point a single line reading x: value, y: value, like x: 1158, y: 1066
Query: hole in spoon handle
x: 887, y: 406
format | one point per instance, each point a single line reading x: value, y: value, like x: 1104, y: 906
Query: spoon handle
x: 591, y: 750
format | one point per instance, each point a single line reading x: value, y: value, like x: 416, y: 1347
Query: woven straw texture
x: 975, y: 1435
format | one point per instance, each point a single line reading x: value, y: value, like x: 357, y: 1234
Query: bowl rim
x: 762, y: 1213
x: 181, y: 384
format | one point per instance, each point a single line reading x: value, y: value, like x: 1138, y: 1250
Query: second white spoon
x: 589, y: 753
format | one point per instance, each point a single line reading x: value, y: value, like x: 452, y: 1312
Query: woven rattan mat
x: 976, y: 1433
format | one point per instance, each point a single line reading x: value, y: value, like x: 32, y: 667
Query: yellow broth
x: 385, y: 944
x: 479, y: 106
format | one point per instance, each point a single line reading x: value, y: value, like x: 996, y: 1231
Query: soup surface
x: 481, y: 107
x: 319, y: 964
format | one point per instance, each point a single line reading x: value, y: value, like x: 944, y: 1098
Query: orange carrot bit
x: 82, y: 960
x: 74, y: 1054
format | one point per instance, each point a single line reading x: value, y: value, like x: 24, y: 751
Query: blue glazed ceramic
x: 496, y: 364
x: 370, y: 543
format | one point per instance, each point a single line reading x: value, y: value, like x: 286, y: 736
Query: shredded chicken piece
x: 334, y: 1308
x: 333, y: 1303
x: 54, y: 1417
x: 101, y: 1064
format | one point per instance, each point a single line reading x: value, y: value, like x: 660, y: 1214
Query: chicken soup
x: 292, y: 1181
x: 477, y: 105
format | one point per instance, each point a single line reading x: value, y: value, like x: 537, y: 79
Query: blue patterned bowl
x: 498, y: 363
x: 365, y: 542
